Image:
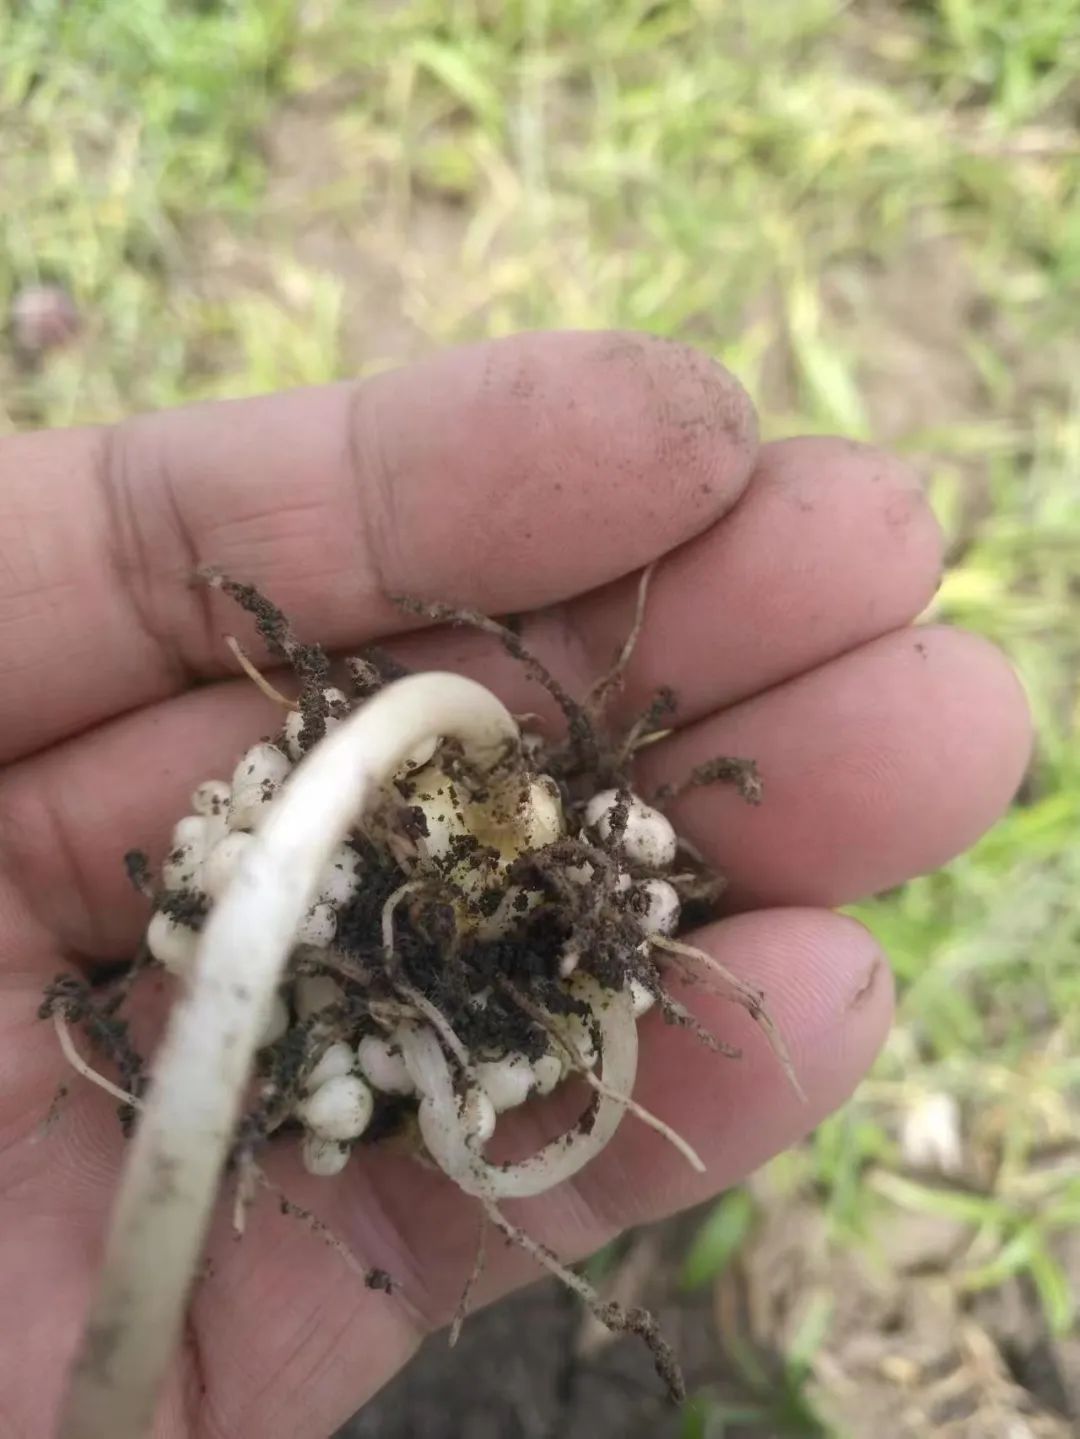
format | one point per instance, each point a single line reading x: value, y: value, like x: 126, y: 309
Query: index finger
x: 501, y: 476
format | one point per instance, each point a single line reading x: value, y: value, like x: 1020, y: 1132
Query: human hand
x: 534, y: 475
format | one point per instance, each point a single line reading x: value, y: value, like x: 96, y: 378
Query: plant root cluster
x: 484, y: 934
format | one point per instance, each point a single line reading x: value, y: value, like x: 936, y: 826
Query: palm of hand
x: 532, y: 473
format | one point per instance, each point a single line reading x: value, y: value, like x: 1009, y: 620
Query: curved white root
x: 256, y: 676
x: 744, y: 994
x: 176, y: 1159
x: 577, y: 1060
x: 609, y: 683
x: 562, y: 1157
x: 648, y: 1118
x: 438, y: 1022
x: 388, y: 909
x: 80, y: 1066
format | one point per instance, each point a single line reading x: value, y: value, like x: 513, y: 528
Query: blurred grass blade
x: 1054, y: 1289
x: 718, y: 1239
x: 458, y: 72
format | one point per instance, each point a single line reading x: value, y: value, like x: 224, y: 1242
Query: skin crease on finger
x: 478, y: 475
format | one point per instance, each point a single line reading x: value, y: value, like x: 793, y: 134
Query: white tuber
x: 544, y: 817
x: 171, y: 943
x: 512, y: 908
x: 188, y: 848
x: 569, y: 959
x: 176, y: 1159
x: 340, y: 879
x: 449, y: 813
x: 478, y: 1116
x: 659, y: 912
x: 437, y: 797
x: 547, y: 1071
x: 641, y: 998
x: 221, y: 862
x: 506, y: 1082
x: 255, y: 781
x: 275, y: 1023
x: 340, y: 1108
x: 211, y: 798
x: 323, y: 1157
x: 336, y: 1059
x: 381, y: 1064
x: 649, y: 837
x: 318, y: 927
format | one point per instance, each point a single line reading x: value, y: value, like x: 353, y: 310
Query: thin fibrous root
x: 643, y: 741
x: 631, y: 1105
x: 309, y: 661
x: 439, y: 1023
x: 461, y: 1313
x: 598, y: 697
x: 678, y: 1013
x: 392, y: 902
x: 646, y: 1116
x: 745, y: 994
x: 247, y: 1180
x: 613, y: 1316
x: 255, y: 675
x: 373, y: 1278
x: 578, y: 719
x: 80, y: 1066
x: 741, y: 774
x: 648, y: 728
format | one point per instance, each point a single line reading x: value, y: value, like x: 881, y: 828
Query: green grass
x: 747, y: 176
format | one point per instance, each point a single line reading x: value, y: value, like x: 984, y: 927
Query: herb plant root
x: 401, y: 918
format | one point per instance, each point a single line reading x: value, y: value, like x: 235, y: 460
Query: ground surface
x: 871, y: 211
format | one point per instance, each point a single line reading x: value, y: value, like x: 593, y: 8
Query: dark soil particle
x: 372, y: 669
x: 185, y: 906
x: 137, y: 868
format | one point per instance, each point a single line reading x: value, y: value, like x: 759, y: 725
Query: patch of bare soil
x: 537, y: 1367
x: 903, y: 1353
x: 336, y: 208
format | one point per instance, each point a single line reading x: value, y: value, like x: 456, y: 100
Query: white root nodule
x: 339, y: 1108
x: 648, y: 837
x: 176, y: 1160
